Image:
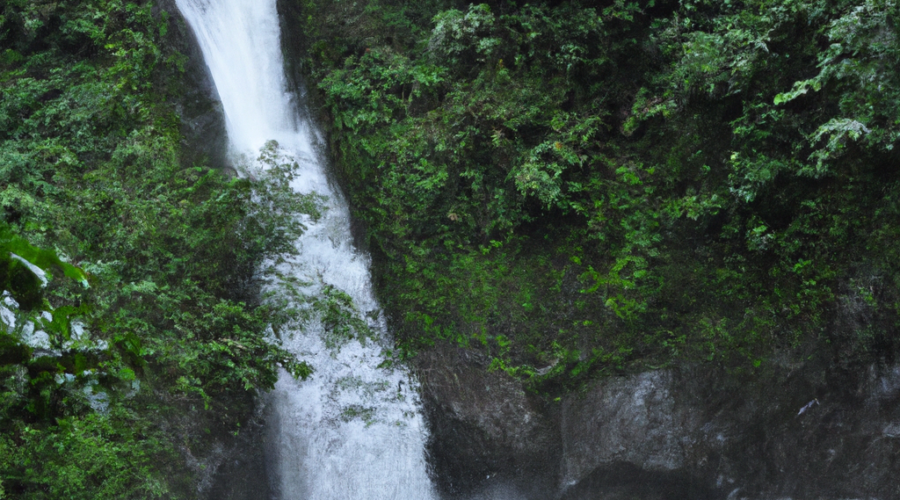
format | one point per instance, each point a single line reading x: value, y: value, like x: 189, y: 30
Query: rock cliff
x: 800, y: 431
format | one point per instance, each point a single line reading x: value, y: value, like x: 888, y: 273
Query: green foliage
x: 579, y: 189
x: 93, y: 457
x: 107, y: 392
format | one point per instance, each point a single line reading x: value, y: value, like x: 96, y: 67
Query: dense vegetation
x: 113, y: 374
x: 574, y: 187
x: 583, y: 187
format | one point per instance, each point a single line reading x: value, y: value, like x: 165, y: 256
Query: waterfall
x: 353, y: 430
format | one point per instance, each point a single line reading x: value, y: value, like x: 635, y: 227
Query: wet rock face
x: 205, y: 140
x: 802, y: 431
x: 241, y: 472
x: 485, y: 428
x: 631, y: 420
x: 692, y: 433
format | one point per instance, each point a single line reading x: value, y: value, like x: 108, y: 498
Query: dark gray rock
x: 695, y: 432
x: 633, y: 420
x: 241, y: 471
x: 205, y: 141
x: 485, y: 428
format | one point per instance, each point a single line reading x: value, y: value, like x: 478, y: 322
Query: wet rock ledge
x: 694, y: 432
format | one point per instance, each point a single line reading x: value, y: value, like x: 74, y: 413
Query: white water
x: 351, y: 431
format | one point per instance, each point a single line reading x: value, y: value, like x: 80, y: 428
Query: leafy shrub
x: 110, y: 394
x: 591, y: 188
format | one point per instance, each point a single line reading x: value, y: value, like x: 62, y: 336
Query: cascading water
x: 353, y: 431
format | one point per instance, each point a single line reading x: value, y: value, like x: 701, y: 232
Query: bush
x: 596, y: 188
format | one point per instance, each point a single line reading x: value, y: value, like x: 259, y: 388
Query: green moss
x: 582, y: 189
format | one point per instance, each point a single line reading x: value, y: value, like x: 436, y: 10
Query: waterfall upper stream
x: 353, y: 430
